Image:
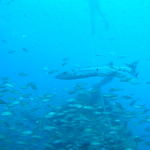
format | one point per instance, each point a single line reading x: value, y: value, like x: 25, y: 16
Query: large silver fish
x: 104, y: 71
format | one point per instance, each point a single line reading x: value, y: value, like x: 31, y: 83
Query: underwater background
x: 40, y: 38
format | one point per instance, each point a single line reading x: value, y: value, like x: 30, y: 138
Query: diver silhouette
x: 94, y: 7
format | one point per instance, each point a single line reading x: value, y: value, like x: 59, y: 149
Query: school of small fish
x: 78, y: 124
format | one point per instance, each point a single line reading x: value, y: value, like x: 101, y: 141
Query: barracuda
x: 104, y: 71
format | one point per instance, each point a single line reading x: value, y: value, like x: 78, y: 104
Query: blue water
x: 53, y: 30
